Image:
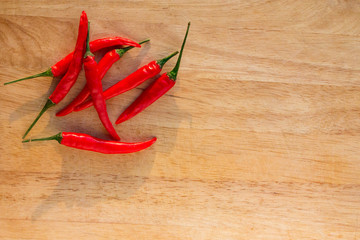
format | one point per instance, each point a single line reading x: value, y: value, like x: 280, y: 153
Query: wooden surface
x: 259, y: 139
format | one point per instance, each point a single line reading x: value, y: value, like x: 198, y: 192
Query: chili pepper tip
x: 47, y: 105
x: 162, y: 62
x: 47, y: 73
x: 173, y: 74
x: 144, y: 41
x: 88, y: 51
x: 56, y: 137
x: 122, y: 51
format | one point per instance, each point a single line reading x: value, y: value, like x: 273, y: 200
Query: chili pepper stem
x: 47, y: 105
x: 173, y: 74
x: 122, y: 51
x: 57, y: 137
x: 47, y: 73
x: 88, y: 52
x: 162, y: 62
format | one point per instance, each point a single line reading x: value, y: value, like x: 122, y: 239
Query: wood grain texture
x: 259, y: 139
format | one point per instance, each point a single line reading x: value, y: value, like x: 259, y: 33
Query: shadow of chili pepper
x: 88, y: 179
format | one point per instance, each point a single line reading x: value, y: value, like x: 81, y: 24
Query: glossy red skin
x: 133, y: 80
x: 73, y: 71
x: 61, y: 67
x: 107, y: 61
x: 104, y: 65
x: 152, y: 93
x: 95, y: 87
x: 87, y: 142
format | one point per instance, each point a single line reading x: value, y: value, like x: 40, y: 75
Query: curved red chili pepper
x: 132, y: 81
x: 104, y: 65
x: 95, y: 88
x: 157, y: 89
x: 152, y: 93
x: 60, y: 68
x: 87, y: 142
x: 71, y: 75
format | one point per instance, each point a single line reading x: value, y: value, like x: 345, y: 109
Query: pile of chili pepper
x: 92, y: 93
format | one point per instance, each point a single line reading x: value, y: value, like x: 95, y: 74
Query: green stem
x: 173, y: 74
x: 47, y: 73
x: 122, y: 51
x: 162, y: 62
x: 88, y: 52
x: 57, y: 137
x: 47, y: 105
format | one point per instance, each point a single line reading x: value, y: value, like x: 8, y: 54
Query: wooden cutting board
x: 259, y: 138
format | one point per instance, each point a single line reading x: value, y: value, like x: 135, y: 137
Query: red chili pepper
x: 157, y: 89
x: 87, y: 142
x: 93, y: 82
x: 60, y: 68
x: 133, y: 80
x: 72, y: 73
x: 104, y: 65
